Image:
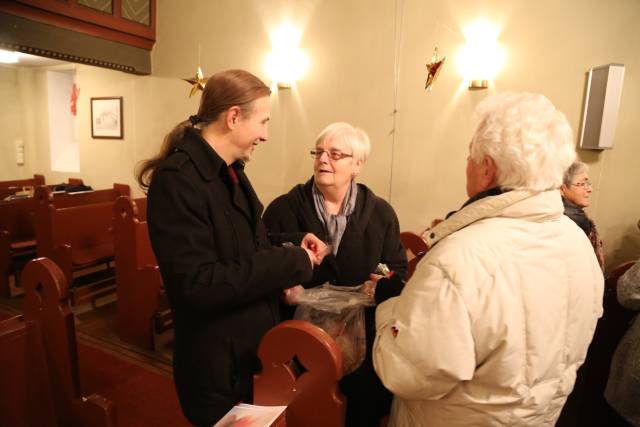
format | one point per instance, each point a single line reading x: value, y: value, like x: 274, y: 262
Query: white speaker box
x: 601, y: 104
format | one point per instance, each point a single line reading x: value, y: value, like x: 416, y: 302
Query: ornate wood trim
x: 36, y: 38
x: 71, y: 16
x: 67, y: 57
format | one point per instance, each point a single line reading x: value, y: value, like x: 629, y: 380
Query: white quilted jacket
x: 496, y: 319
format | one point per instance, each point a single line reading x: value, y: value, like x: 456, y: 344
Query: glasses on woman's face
x: 583, y: 184
x: 333, y: 154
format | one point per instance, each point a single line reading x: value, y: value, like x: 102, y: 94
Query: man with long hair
x: 222, y: 276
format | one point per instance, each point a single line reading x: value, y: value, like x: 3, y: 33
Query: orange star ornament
x: 433, y: 69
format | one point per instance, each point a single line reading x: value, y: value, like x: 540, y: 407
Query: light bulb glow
x: 286, y: 63
x: 481, y: 58
x: 8, y: 57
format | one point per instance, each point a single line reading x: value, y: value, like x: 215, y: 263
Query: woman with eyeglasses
x: 576, y: 190
x: 361, y: 230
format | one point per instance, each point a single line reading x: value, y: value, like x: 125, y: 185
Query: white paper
x: 244, y: 415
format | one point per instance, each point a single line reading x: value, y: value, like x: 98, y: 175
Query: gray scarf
x: 334, y: 225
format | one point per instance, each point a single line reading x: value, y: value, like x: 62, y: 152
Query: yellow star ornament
x: 197, y: 82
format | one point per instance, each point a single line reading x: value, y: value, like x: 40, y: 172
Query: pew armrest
x: 61, y: 255
x: 5, y: 251
x: 94, y: 410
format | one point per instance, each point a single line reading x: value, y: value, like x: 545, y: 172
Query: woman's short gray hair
x: 355, y: 138
x: 529, y: 140
x: 576, y: 168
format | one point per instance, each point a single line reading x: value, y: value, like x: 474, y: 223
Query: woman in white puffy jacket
x: 497, y: 317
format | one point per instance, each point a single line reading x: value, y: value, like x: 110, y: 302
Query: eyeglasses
x: 333, y: 154
x: 584, y: 184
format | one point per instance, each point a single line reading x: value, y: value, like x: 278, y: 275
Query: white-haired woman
x: 362, y: 231
x: 498, y: 315
x: 576, y: 190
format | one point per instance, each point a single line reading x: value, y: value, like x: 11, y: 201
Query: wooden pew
x: 143, y: 310
x: 416, y: 248
x: 17, y: 236
x: 44, y: 194
x: 40, y: 379
x: 301, y: 367
x: 8, y: 188
x: 36, y: 180
x: 78, y: 238
x: 17, y: 241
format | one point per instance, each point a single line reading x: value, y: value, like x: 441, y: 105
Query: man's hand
x: 315, y: 247
x: 313, y: 259
x: 290, y: 295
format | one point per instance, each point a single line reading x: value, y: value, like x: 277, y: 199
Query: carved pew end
x: 301, y: 367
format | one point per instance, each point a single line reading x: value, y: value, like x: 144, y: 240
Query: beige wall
x: 418, y: 162
x: 15, y: 86
x: 367, y: 61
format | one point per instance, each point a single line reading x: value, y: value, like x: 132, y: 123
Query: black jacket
x: 222, y: 276
x: 372, y: 236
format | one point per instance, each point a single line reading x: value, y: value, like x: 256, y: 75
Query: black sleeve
x: 282, y: 223
x: 393, y: 253
x: 388, y: 288
x: 185, y: 243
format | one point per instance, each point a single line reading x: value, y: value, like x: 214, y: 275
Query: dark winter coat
x: 222, y: 276
x: 372, y: 236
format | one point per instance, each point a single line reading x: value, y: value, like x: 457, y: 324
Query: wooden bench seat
x: 35, y: 181
x: 15, y: 189
x: 97, y: 254
x: 143, y: 310
x: 17, y: 228
x: 17, y: 240
x: 24, y: 244
x: 40, y: 378
x: 416, y: 248
x: 8, y: 188
x: 78, y: 239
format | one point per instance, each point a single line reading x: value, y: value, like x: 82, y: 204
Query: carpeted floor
x: 142, y: 397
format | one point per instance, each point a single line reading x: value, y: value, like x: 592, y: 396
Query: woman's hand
x: 369, y: 288
x: 315, y: 247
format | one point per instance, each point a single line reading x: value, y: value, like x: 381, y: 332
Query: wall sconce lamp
x: 480, y: 59
x: 286, y: 63
x: 8, y: 57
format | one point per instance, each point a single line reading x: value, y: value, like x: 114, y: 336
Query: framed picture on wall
x: 106, y: 118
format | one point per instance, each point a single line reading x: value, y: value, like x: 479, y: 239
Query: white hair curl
x: 529, y: 140
x: 355, y: 138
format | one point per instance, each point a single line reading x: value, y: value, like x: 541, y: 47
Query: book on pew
x: 245, y: 415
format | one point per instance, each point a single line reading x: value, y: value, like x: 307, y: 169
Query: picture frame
x: 106, y: 118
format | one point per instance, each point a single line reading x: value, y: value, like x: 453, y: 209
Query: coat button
x: 432, y: 235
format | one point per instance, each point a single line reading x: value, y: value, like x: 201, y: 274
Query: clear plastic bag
x: 339, y: 311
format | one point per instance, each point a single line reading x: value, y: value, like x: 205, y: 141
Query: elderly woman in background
x: 362, y: 230
x: 576, y: 189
